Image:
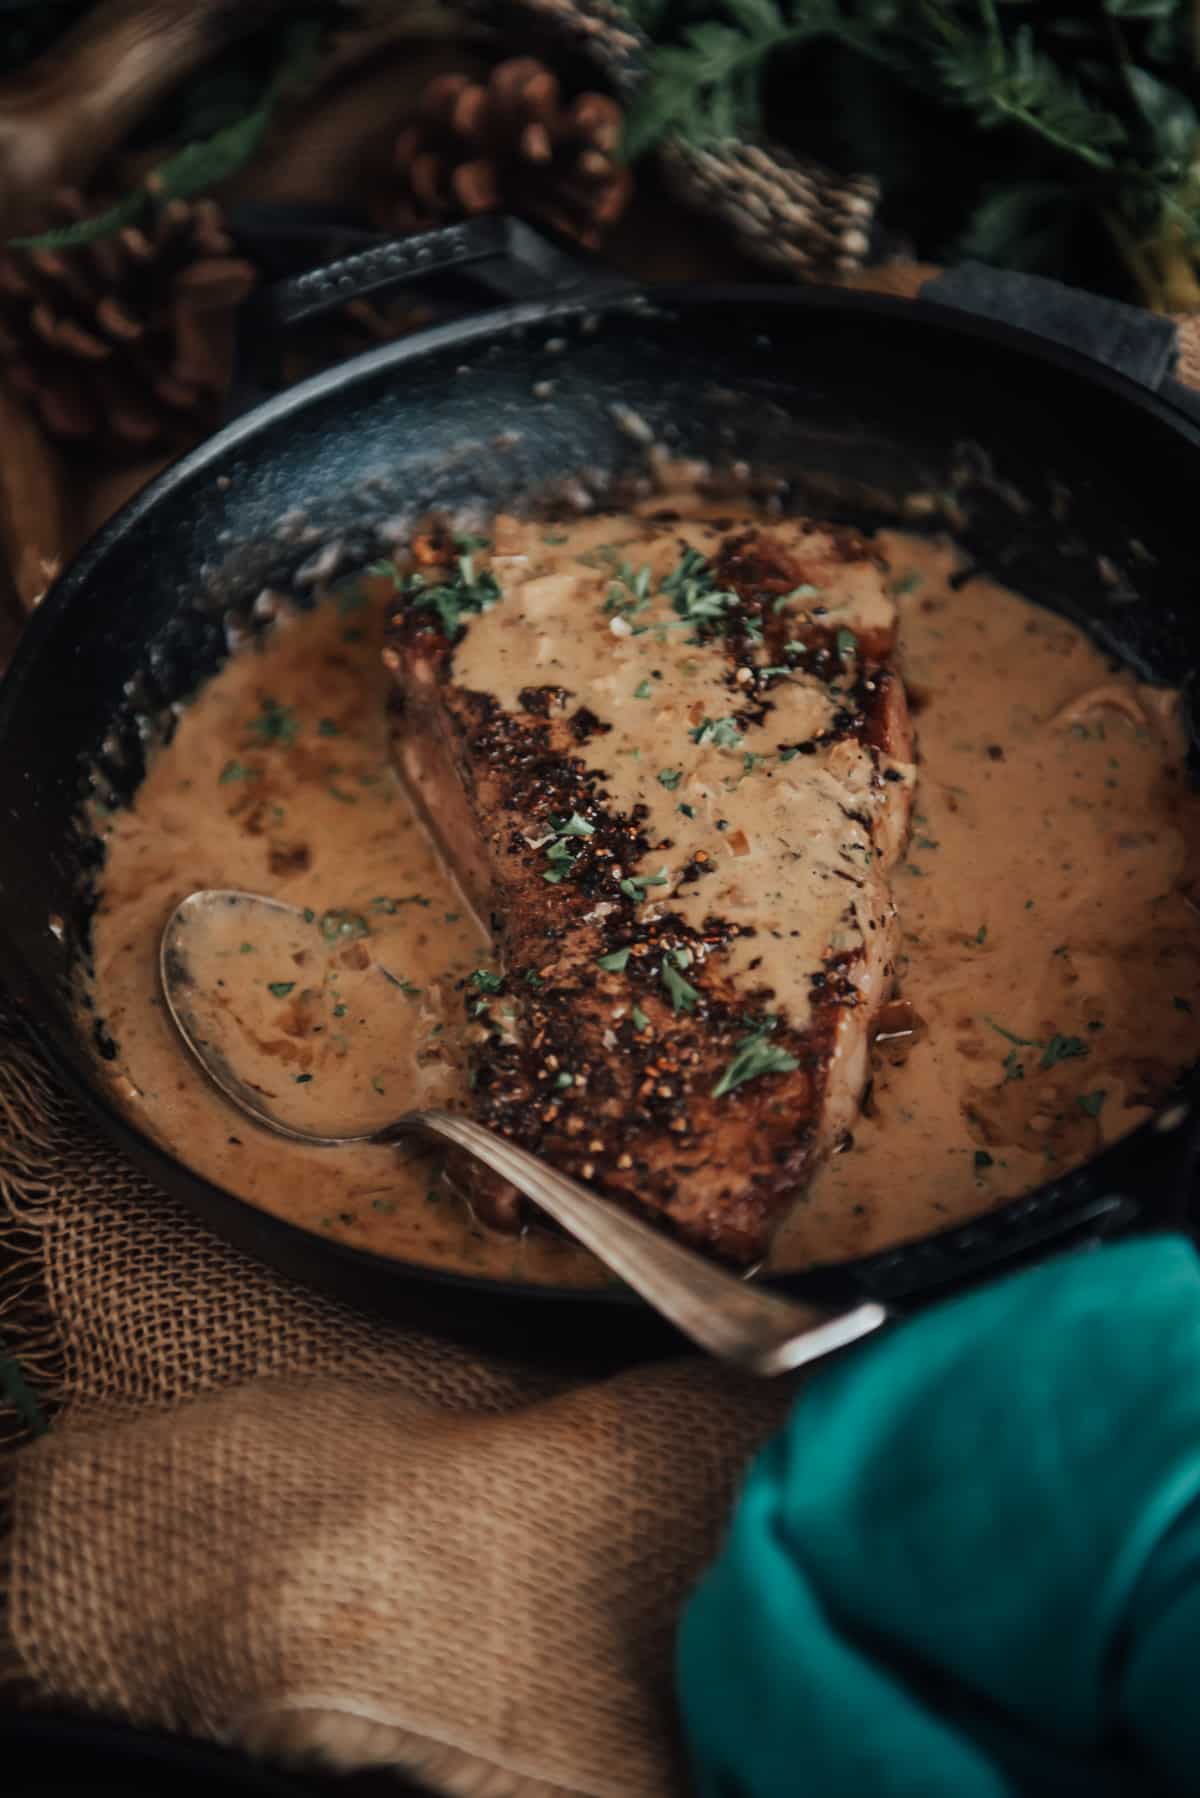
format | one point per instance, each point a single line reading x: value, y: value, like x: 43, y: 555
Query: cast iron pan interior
x: 1061, y: 478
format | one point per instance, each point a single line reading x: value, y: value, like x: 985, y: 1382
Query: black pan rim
x: 495, y: 323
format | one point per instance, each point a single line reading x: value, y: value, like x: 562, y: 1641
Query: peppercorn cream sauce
x: 1049, y: 969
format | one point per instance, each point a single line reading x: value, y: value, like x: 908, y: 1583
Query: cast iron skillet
x: 1060, y: 476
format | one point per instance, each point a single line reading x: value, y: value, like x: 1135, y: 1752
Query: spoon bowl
x: 751, y: 1328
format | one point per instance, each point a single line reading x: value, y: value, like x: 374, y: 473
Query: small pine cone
x: 126, y: 340
x: 513, y: 144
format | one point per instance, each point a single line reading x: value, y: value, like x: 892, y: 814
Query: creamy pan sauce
x: 1050, y: 980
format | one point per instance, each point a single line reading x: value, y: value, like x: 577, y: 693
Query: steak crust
x: 675, y: 807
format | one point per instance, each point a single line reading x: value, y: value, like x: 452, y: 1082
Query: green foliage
x: 205, y: 164
x: 1094, y: 106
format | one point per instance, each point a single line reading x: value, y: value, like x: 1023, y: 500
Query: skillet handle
x: 505, y: 257
x: 1137, y: 344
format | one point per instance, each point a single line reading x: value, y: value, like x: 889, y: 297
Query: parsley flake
x: 1090, y: 1103
x: 754, y: 1056
x: 639, y: 1018
x: 670, y: 778
x: 486, y: 982
x: 723, y: 732
x: 236, y: 770
x: 1062, y: 1048
x: 682, y: 994
x: 634, y: 886
x: 281, y: 988
x: 614, y: 963
x: 275, y: 723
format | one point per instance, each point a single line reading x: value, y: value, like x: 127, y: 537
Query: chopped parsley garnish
x: 281, y: 988
x: 534, y: 979
x: 574, y: 826
x: 694, y: 594
x: 750, y: 761
x: 689, y: 811
x: 1062, y: 1048
x: 1022, y: 1042
x: 486, y: 981
x: 340, y: 1009
x: 462, y: 593
x: 907, y: 584
x: 335, y: 792
x: 682, y: 994
x: 670, y: 778
x: 925, y: 843
x: 983, y: 1159
x: 554, y: 537
x: 236, y: 770
x: 327, y: 728
x: 847, y: 644
x: 275, y: 723
x: 643, y: 690
x: 634, y: 886
x: 981, y: 934
x: 639, y: 1018
x: 560, y: 855
x: 723, y: 732
x: 246, y: 949
x: 1014, y: 1068
x: 309, y: 915
x: 376, y: 1084
x: 614, y: 963
x: 343, y: 926
x: 466, y: 541
x: 303, y: 1079
x: 805, y: 591
x: 564, y: 1080
x: 755, y: 1055
x: 1090, y: 1103
x: 636, y: 595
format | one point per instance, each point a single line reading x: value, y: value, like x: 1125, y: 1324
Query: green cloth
x: 970, y: 1563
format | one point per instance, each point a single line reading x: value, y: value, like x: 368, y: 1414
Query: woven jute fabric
x: 262, y: 1518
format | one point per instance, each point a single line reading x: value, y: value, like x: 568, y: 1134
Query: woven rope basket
x: 787, y: 212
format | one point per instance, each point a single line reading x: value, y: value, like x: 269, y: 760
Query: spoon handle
x: 753, y: 1329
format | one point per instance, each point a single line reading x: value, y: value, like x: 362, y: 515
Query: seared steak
x: 672, y: 769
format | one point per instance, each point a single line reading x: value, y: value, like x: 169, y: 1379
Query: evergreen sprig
x: 202, y: 165
x: 1096, y: 102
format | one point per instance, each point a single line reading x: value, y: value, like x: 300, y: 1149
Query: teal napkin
x: 970, y: 1564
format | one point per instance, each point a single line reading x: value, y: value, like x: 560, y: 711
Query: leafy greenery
x: 464, y: 592
x: 755, y: 1055
x: 207, y: 161
x: 1090, y: 109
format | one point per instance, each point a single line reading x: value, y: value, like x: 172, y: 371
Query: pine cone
x: 128, y: 339
x: 513, y: 144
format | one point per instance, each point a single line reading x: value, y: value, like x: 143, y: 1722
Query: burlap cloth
x: 262, y: 1518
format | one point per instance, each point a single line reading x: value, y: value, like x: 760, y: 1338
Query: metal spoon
x: 753, y: 1329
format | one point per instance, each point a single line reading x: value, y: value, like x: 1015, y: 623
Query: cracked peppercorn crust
x: 730, y: 870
